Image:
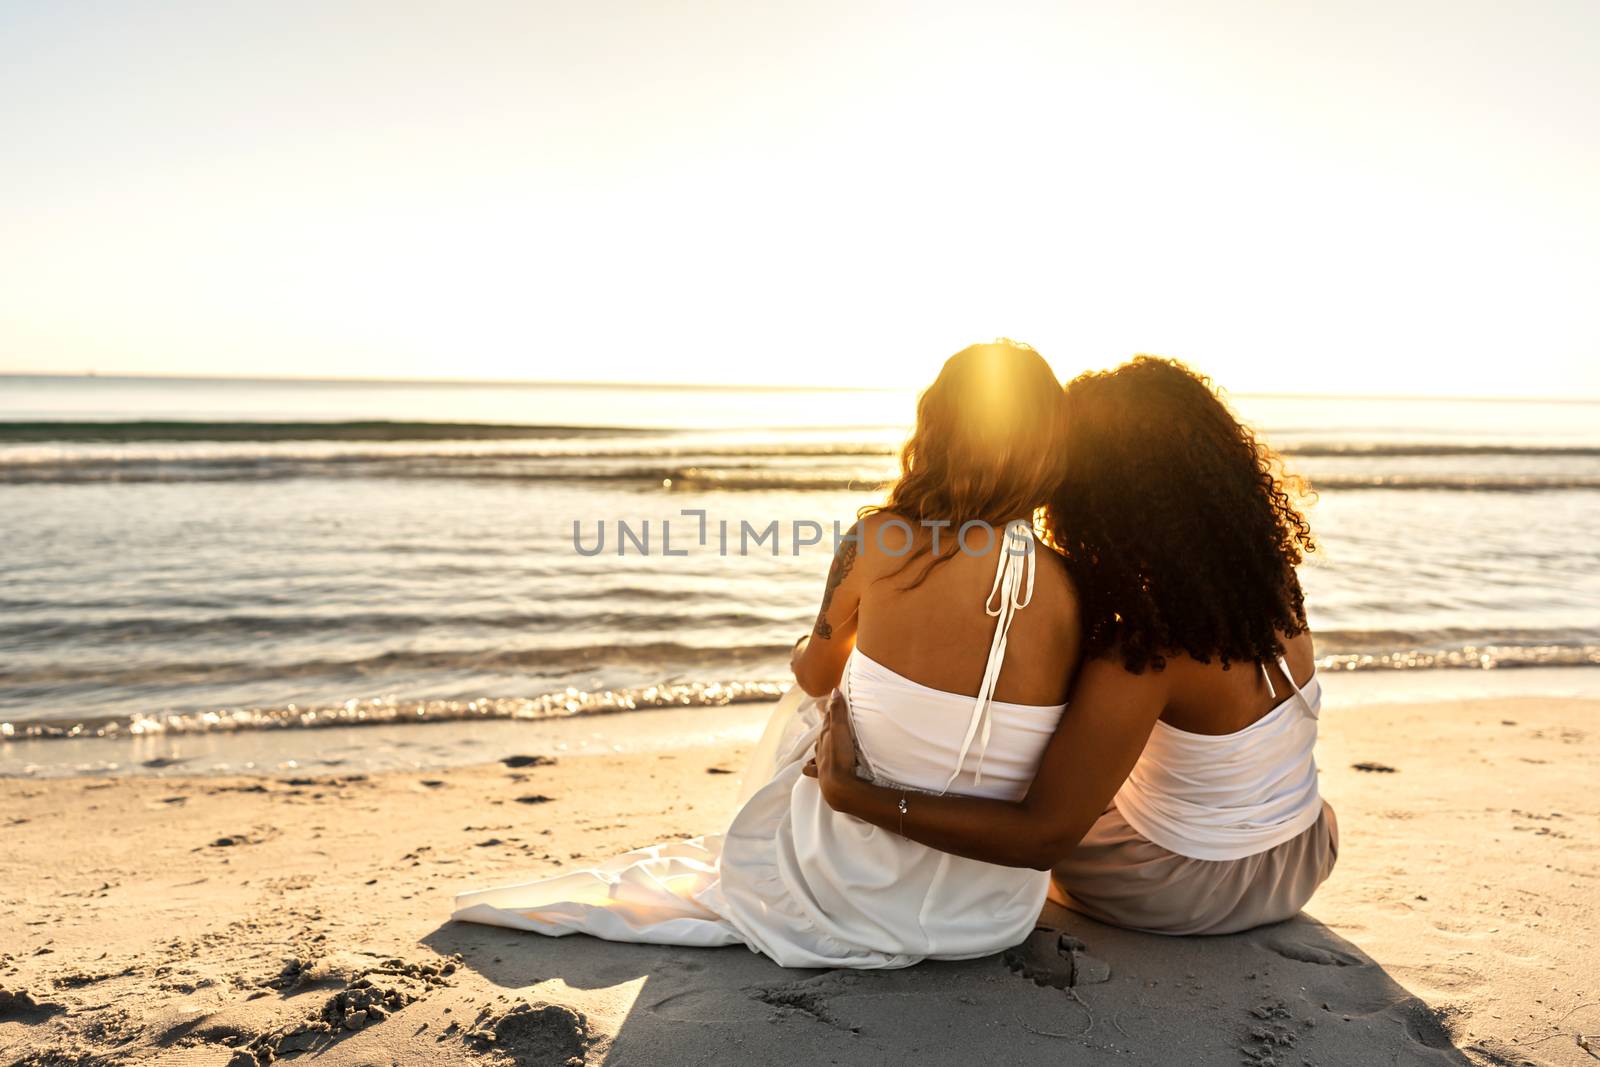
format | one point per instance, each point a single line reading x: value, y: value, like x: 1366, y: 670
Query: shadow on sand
x: 1294, y: 993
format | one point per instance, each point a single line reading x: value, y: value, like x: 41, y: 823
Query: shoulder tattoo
x: 842, y: 564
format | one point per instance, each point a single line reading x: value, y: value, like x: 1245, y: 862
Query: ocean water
x: 207, y: 567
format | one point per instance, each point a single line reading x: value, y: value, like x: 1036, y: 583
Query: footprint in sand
x: 1055, y: 958
x: 1304, y: 952
x: 812, y: 997
x: 532, y: 1035
x: 371, y: 993
x: 698, y: 1006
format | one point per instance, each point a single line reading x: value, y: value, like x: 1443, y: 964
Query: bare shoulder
x: 886, y: 528
x: 882, y: 540
x: 1054, y: 588
x: 1301, y: 653
x: 1208, y: 695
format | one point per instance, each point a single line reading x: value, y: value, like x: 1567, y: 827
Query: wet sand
x: 237, y: 920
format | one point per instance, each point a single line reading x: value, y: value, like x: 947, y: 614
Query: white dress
x: 806, y: 886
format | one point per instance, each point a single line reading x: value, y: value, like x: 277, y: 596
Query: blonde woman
x: 953, y: 633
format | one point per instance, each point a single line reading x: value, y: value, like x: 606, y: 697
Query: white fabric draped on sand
x: 791, y: 878
x: 647, y: 895
x: 784, y: 727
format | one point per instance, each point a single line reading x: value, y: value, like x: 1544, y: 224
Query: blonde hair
x: 985, y: 443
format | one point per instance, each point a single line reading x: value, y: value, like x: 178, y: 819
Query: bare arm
x: 1094, y: 748
x: 818, y: 660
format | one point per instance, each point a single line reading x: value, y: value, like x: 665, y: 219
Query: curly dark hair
x: 1177, y: 524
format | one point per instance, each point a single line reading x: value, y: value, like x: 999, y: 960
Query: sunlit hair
x: 984, y: 447
x: 1178, y: 525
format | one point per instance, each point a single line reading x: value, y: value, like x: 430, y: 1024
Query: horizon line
x: 717, y: 387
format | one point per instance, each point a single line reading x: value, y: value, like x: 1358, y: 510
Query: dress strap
x: 1283, y: 665
x: 1012, y: 590
x: 1272, y: 690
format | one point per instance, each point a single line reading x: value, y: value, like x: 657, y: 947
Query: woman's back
x: 936, y: 632
x: 1205, y: 698
x: 962, y: 666
x: 848, y: 894
x: 1229, y: 769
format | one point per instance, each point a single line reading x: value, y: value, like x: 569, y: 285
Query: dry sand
x: 213, y: 921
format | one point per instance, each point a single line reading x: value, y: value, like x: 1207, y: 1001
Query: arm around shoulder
x: 1095, y: 746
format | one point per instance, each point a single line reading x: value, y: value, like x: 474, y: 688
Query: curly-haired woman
x: 921, y: 607
x: 1179, y: 792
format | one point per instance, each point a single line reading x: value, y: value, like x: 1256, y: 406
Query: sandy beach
x: 241, y: 920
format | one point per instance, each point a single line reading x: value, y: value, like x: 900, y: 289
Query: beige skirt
x: 1119, y: 877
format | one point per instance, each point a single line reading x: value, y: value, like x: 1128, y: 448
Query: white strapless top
x: 912, y: 736
x: 909, y: 735
x: 1226, y: 796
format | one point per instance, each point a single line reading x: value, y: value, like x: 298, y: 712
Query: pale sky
x: 1365, y: 197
